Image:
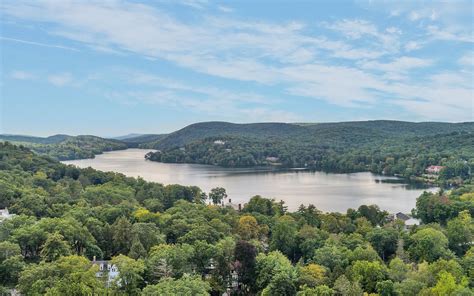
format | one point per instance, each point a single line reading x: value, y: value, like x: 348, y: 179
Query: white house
x: 106, y: 269
x: 5, y: 215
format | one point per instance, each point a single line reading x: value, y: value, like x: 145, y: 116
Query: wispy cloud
x: 357, y: 64
x: 22, y: 75
x: 60, y: 79
x: 467, y: 60
x: 38, y: 43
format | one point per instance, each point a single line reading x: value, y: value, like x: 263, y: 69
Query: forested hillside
x: 167, y: 240
x: 136, y: 141
x: 389, y: 147
x: 64, y: 147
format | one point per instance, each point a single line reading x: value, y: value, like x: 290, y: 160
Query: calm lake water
x: 328, y: 192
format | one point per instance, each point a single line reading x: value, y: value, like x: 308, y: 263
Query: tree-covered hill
x: 389, y: 147
x: 170, y: 240
x: 136, y: 141
x: 354, y: 131
x: 64, y: 147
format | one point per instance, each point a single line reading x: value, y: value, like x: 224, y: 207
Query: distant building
x: 5, y: 215
x: 237, y: 207
x: 408, y: 221
x: 272, y: 159
x: 434, y: 169
x: 401, y: 216
x: 219, y: 142
x: 106, y: 269
x: 412, y: 222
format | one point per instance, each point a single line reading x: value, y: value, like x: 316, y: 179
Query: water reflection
x: 328, y: 192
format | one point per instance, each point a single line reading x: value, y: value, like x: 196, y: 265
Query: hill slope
x: 64, y: 147
x: 388, y: 147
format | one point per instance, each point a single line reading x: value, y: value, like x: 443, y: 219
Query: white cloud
x: 350, y: 71
x: 450, y: 34
x: 225, y: 8
x: 467, y: 60
x: 38, y: 43
x: 60, y: 79
x: 22, y: 75
x: 401, y: 65
x: 412, y: 45
x: 354, y: 29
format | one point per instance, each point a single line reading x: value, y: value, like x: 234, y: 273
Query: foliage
x: 164, y: 240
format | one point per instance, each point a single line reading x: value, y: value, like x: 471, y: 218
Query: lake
x: 327, y: 191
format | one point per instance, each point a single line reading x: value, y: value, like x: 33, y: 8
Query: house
x: 272, y: 159
x: 219, y: 142
x: 106, y: 269
x: 411, y: 222
x: 401, y: 216
x: 434, y: 169
x: 408, y: 221
x: 237, y: 207
x: 5, y: 215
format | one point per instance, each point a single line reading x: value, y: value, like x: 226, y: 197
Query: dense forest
x: 178, y: 240
x: 386, y: 147
x: 64, y: 147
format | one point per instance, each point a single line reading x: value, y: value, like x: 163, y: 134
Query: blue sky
x: 115, y: 67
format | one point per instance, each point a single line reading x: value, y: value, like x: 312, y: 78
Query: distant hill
x: 341, y: 131
x: 38, y: 140
x: 381, y: 146
x: 203, y: 130
x: 64, y: 147
x: 135, y: 141
x: 132, y: 135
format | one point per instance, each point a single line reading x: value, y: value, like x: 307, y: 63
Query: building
x: 272, y: 159
x: 5, y: 215
x: 219, y: 142
x: 237, y: 207
x: 434, y: 169
x: 106, y: 269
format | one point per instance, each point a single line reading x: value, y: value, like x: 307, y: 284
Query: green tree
x: 384, y: 241
x: 333, y: 257
x: 385, y: 288
x: 398, y: 270
x: 130, y: 277
x: 344, y: 287
x: 428, y: 244
x: 460, y: 232
x: 248, y: 228
x: 10, y: 269
x: 284, y: 236
x: 245, y: 264
x: 312, y: 275
x: 368, y: 274
x: 55, y: 247
x: 70, y: 275
x: 275, y: 273
x: 170, y: 261
x: 137, y: 250
x: 217, y: 195
x: 322, y: 290
x: 122, y: 235
x: 184, y: 286
x: 447, y: 285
